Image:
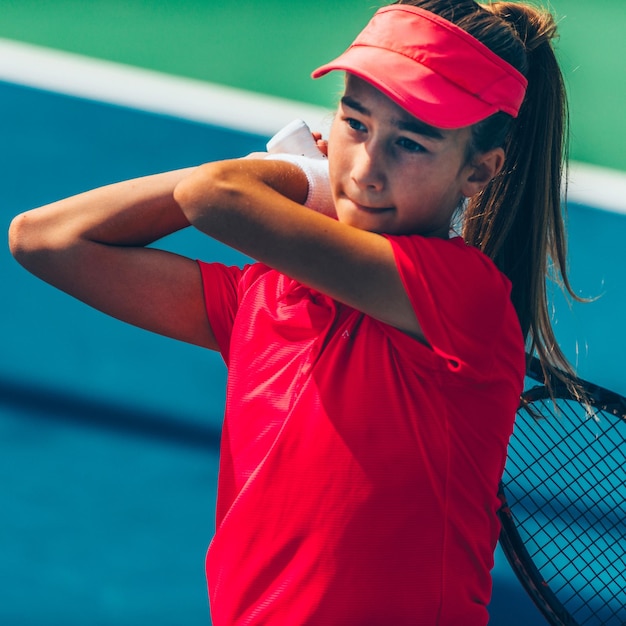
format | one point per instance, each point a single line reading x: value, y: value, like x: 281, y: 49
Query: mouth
x: 370, y: 209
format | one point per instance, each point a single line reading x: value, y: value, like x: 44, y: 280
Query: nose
x: 367, y: 167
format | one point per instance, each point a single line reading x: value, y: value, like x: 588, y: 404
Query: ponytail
x: 517, y: 220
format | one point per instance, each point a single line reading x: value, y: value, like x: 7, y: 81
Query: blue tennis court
x: 109, y: 435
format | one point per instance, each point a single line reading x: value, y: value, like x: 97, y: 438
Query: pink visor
x: 431, y: 68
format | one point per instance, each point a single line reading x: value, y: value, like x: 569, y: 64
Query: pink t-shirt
x: 359, y: 468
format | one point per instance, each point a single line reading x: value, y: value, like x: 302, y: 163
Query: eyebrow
x: 413, y: 125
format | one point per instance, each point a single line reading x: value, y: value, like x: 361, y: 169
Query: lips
x: 370, y: 209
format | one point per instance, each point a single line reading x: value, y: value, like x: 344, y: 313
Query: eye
x: 410, y: 145
x: 355, y: 124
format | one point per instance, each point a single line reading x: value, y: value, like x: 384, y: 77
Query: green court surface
x: 271, y: 47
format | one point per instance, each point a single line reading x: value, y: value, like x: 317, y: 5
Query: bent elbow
x: 185, y: 197
x: 21, y: 242
x: 205, y: 192
x: 30, y: 242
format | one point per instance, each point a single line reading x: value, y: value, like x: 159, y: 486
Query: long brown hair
x: 517, y: 220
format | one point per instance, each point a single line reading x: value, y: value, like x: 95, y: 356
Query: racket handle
x: 295, y: 138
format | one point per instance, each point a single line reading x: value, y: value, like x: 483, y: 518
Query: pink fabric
x: 359, y: 469
x: 431, y: 68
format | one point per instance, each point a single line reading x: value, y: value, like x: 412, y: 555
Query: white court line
x: 598, y: 187
x: 148, y: 90
x: 126, y: 85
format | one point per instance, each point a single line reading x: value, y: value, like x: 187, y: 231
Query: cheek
x: 334, y: 169
x: 337, y: 161
x: 425, y: 196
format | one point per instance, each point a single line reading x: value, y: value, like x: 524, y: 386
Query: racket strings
x: 567, y: 478
x: 566, y: 489
x: 583, y: 506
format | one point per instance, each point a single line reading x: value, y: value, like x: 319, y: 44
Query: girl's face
x: 391, y: 173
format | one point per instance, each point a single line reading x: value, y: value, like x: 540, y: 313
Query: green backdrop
x: 272, y: 46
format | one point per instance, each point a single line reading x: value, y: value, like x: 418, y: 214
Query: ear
x: 483, y: 168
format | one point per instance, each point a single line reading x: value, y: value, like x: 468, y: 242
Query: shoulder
x: 461, y: 299
x: 448, y: 263
x: 453, y: 248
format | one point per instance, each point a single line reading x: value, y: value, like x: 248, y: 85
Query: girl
x: 375, y: 362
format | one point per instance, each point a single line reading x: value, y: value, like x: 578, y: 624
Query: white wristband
x: 319, y: 197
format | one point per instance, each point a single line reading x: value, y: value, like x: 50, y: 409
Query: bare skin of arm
x: 93, y: 245
x: 238, y: 203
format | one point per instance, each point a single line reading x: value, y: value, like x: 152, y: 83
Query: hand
x: 322, y: 144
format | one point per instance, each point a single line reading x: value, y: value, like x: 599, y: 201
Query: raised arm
x: 237, y: 202
x: 92, y: 246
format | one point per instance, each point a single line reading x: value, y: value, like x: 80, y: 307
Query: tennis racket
x: 563, y: 498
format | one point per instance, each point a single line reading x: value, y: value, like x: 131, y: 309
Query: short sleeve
x: 220, y: 285
x: 224, y: 287
x: 461, y: 300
